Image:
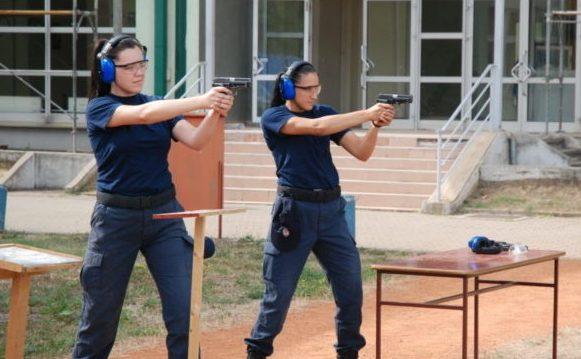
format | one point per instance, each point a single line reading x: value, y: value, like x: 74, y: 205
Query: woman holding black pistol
x: 308, y: 213
x: 131, y: 134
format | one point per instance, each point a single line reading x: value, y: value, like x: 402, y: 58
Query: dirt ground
x: 512, y: 319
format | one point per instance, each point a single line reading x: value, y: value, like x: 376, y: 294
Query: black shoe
x: 349, y: 354
x: 252, y: 354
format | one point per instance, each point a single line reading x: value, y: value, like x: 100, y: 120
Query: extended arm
x: 196, y: 137
x: 163, y: 110
x: 328, y: 125
x: 362, y: 147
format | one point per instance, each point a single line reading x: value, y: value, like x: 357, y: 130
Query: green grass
x: 231, y: 278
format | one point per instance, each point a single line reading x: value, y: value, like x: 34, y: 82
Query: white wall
x: 145, y: 32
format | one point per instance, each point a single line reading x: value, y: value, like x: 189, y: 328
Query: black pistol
x: 232, y: 83
x: 394, y: 99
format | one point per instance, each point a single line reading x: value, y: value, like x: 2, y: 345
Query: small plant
x: 530, y: 197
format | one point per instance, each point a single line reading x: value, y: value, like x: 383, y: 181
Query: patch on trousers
x: 92, y: 259
x: 90, y: 275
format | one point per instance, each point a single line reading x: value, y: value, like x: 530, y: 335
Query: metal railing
x: 199, y: 82
x: 454, y: 132
x: 37, y: 91
x: 77, y: 17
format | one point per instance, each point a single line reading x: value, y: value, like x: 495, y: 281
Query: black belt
x: 136, y: 202
x: 310, y: 195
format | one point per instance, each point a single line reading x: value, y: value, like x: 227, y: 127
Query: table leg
x: 464, y: 318
x: 555, y: 307
x: 4, y: 274
x: 17, y: 319
x: 197, y: 278
x: 378, y: 317
x: 476, y: 303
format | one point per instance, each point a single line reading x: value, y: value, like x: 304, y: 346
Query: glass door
x: 387, y: 54
x: 443, y: 45
x: 554, y: 102
x: 524, y: 87
x: 483, y: 53
x: 281, y: 35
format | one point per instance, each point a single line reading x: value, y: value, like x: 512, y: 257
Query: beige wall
x: 145, y: 32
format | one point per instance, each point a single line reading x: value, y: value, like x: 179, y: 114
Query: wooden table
x: 19, y: 263
x: 198, y: 268
x: 464, y: 265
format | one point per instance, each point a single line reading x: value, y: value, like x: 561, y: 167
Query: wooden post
x: 197, y: 279
x: 197, y: 268
x: 17, y: 319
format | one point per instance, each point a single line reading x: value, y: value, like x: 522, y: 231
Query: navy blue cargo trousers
x: 323, y: 230
x: 116, y: 237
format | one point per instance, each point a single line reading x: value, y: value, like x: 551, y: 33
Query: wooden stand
x: 20, y: 263
x: 198, y: 267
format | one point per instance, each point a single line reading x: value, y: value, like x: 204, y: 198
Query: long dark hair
x: 295, y: 75
x: 98, y: 87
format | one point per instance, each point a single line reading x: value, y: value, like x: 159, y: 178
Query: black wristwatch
x: 374, y: 125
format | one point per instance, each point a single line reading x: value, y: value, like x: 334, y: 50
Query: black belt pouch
x: 285, y: 230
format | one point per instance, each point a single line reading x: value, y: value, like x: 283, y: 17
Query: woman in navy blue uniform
x: 308, y: 213
x: 131, y: 134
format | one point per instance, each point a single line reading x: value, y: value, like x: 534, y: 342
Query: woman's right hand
x: 218, y: 98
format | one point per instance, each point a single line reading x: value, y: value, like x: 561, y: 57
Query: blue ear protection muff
x: 106, y: 64
x: 483, y: 245
x: 287, y: 86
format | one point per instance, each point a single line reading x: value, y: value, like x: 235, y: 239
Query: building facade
x: 433, y: 49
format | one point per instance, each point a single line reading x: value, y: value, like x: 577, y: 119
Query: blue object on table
x: 350, y: 213
x: 3, y: 198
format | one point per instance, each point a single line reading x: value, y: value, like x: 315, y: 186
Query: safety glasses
x: 316, y: 89
x: 134, y: 67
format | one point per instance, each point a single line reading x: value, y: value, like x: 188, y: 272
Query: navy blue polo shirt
x: 301, y: 161
x: 131, y: 160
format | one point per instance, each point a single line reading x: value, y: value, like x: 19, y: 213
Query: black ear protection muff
x: 287, y: 85
x: 106, y: 64
x: 483, y: 245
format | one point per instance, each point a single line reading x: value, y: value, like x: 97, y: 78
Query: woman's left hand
x: 223, y: 106
x: 385, y: 118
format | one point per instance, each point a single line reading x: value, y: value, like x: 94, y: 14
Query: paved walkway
x: 57, y: 212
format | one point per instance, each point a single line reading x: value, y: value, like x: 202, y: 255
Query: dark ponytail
x: 277, y: 99
x: 98, y: 87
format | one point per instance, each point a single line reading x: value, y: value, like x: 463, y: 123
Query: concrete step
x: 380, y: 151
x: 364, y: 174
x: 362, y: 200
x: 346, y: 185
x: 243, y: 136
x: 400, y: 175
x: 341, y: 161
x: 572, y: 152
x: 384, y: 139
